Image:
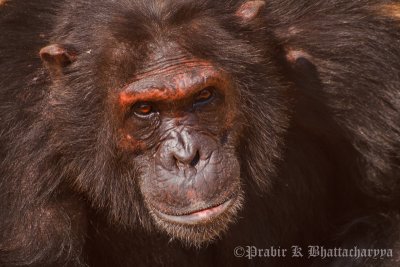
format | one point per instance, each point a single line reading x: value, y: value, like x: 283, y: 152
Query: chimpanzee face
x: 181, y: 119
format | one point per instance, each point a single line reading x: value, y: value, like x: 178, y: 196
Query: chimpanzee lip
x: 198, y: 216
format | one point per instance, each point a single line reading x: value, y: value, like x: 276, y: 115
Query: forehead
x: 158, y: 29
x: 163, y: 19
x: 146, y: 15
x: 139, y: 21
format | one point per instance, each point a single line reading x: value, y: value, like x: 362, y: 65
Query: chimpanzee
x: 199, y: 132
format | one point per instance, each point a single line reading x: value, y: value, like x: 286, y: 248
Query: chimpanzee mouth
x: 199, y: 216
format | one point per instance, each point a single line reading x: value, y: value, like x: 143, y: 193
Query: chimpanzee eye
x: 205, y: 96
x: 143, y: 109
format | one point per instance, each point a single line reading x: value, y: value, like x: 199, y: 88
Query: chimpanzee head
x: 155, y: 103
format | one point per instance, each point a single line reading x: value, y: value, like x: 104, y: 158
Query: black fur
x: 319, y: 151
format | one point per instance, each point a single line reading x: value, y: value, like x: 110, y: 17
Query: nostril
x: 195, y: 160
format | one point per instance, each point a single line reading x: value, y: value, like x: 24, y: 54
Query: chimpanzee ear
x: 250, y: 9
x: 303, y: 69
x: 56, y: 56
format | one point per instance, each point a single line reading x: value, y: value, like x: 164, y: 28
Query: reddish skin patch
x: 191, y: 195
x: 2, y: 2
x: 250, y: 10
x: 171, y: 84
x: 389, y: 10
x: 129, y: 143
x: 229, y: 123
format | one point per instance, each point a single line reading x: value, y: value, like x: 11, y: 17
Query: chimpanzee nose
x: 181, y: 150
x: 185, y: 150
